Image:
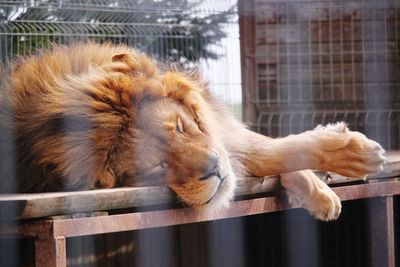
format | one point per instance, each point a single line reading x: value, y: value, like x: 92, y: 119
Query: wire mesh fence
x: 310, y: 56
x: 382, y: 123
x: 190, y: 32
x: 318, y: 56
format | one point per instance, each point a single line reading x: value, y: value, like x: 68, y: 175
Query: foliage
x: 176, y: 30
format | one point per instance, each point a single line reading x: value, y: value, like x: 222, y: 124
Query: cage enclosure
x: 284, y: 66
x: 316, y: 62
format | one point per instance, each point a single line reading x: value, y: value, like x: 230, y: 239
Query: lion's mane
x: 68, y: 116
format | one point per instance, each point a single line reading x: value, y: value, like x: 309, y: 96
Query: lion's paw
x: 350, y: 153
x: 323, y: 204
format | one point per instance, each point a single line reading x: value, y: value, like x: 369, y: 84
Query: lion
x: 90, y: 115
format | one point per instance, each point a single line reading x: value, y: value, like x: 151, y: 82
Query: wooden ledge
x: 71, y: 227
x: 151, y: 219
x: 22, y: 206
x: 36, y: 205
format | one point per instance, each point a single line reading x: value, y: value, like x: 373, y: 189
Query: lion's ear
x: 189, y: 93
x: 181, y: 88
x: 120, y: 58
x: 135, y: 63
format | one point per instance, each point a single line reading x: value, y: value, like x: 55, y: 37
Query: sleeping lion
x: 100, y: 116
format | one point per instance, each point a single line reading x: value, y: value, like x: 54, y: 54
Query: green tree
x: 177, y: 30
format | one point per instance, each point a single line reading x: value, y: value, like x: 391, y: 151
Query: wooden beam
x: 168, y: 217
x: 20, y: 206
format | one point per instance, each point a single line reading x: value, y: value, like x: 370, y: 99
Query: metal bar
x: 151, y: 219
x: 247, y: 51
x: 61, y: 253
x: 50, y: 251
x: 382, y: 232
x: 369, y: 190
x: 50, y: 235
x: 141, y: 220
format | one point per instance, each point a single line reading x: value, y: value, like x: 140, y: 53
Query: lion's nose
x: 212, y: 167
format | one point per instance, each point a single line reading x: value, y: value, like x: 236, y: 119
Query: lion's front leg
x: 307, y: 190
x: 331, y: 148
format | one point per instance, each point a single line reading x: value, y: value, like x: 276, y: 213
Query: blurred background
x: 283, y: 66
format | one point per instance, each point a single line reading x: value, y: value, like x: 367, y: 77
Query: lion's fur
x: 99, y: 116
x: 72, y: 115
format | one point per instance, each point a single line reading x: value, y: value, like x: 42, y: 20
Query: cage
x: 303, y: 63
x: 336, y: 59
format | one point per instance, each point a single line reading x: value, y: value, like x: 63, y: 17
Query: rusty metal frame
x: 50, y: 234
x: 382, y: 232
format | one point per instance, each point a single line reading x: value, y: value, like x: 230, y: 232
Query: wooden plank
x: 169, y: 217
x: 59, y: 203
x: 20, y: 206
x: 49, y: 204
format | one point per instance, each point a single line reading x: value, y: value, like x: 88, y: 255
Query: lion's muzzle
x: 212, y: 168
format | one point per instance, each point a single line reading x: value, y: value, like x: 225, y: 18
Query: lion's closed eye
x: 179, y: 125
x: 157, y: 168
x: 153, y: 175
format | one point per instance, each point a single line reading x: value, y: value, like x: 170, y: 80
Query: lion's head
x: 174, y: 141
x: 172, y: 148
